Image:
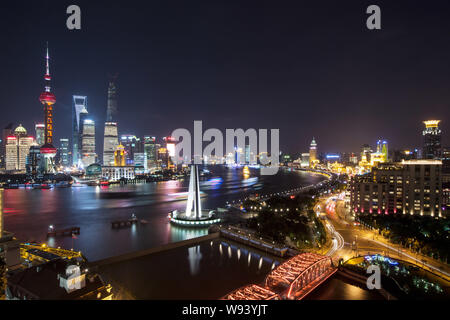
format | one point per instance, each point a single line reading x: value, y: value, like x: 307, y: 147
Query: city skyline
x: 160, y: 79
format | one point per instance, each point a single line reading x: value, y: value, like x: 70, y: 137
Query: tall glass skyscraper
x: 40, y: 133
x: 150, y: 151
x: 88, y: 155
x: 64, y: 152
x: 111, y: 135
x: 79, y: 105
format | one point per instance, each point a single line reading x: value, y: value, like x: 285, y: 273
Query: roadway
x: 349, y: 240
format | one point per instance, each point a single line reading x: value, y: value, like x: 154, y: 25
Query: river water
x: 208, y: 270
x: 28, y: 213
x: 205, y: 271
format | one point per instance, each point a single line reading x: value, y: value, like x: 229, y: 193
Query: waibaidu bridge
x: 292, y: 280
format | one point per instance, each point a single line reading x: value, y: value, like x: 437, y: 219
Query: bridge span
x: 292, y: 280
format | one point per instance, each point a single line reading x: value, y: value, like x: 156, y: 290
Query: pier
x: 249, y: 239
x: 63, y: 232
x: 123, y: 223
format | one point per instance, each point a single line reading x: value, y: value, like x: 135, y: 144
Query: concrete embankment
x: 244, y: 237
x: 141, y: 253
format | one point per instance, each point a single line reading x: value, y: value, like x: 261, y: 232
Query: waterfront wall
x: 363, y: 281
x: 141, y: 253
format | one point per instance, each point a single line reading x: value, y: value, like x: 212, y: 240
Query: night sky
x: 309, y: 68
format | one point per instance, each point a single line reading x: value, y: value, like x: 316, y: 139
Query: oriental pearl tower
x: 48, y: 151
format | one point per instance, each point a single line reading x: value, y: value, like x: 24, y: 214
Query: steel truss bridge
x: 292, y: 280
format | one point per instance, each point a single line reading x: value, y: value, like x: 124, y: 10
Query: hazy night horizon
x: 305, y: 69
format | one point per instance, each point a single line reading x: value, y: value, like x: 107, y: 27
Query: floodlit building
x: 115, y: 173
x: 64, y: 152
x: 111, y: 136
x: 120, y: 170
x: 7, y: 131
x: 17, y: 149
x: 88, y: 155
x: 409, y: 187
x: 366, y: 151
x: 313, y: 161
x: 163, y: 158
x: 40, y: 133
x: 432, y: 148
x: 48, y: 99
x: 120, y: 156
x: 150, y: 152
x: 79, y: 111
x: 34, y: 163
x: 110, y: 143
x: 382, y: 148
x: 132, y: 145
x: 139, y: 160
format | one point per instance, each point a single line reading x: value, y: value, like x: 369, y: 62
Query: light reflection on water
x: 30, y: 212
x: 197, y: 272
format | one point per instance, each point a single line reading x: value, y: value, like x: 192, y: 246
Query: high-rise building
x: 111, y: 111
x: 64, y: 152
x: 163, y: 158
x: 139, y: 160
x: 132, y: 145
x: 170, y: 145
x: 40, y: 133
x: 34, y: 163
x: 366, y: 151
x: 353, y: 159
x: 313, y: 153
x: 48, y: 99
x: 79, y: 111
x: 111, y: 135
x: 382, y: 148
x: 110, y: 143
x: 88, y: 155
x: 150, y: 151
x: 17, y: 149
x: 409, y: 187
x: 432, y: 140
x: 7, y: 131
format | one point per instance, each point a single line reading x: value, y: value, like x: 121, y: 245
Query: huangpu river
x: 29, y: 212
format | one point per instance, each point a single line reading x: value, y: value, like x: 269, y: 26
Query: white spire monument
x: 194, y: 216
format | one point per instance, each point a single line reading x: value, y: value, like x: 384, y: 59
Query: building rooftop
x: 42, y: 282
x: 421, y: 162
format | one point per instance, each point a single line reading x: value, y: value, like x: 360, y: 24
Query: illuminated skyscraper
x: 64, y: 152
x: 170, y: 145
x: 110, y: 143
x: 382, y: 148
x: 150, y: 151
x: 88, y: 155
x: 7, y: 131
x: 313, y: 153
x: 432, y: 140
x: 79, y: 111
x: 40, y: 133
x: 132, y: 145
x: 163, y: 158
x: 111, y: 135
x: 47, y: 98
x: 17, y: 149
x: 111, y: 111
